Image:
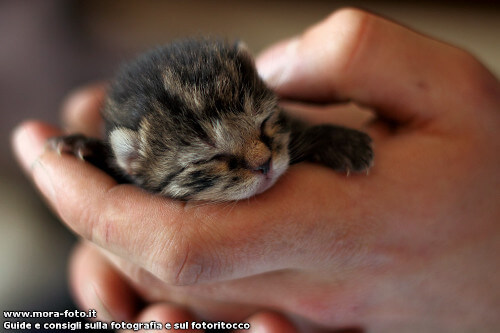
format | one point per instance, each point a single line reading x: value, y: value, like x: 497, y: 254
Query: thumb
x: 354, y: 55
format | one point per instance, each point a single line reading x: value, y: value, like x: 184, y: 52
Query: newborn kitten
x: 193, y: 121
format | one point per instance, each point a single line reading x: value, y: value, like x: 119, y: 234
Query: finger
x: 266, y: 322
x: 349, y: 115
x: 97, y: 285
x: 81, y: 111
x: 91, y: 204
x: 167, y: 314
x: 269, y: 322
x: 27, y: 143
x: 192, y: 243
x: 358, y: 56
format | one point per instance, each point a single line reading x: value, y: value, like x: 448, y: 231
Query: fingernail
x: 275, y: 63
x: 27, y: 146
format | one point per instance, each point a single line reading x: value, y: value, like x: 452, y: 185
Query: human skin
x: 99, y: 286
x: 411, y: 247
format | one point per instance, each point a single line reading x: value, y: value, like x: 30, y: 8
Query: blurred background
x: 48, y: 48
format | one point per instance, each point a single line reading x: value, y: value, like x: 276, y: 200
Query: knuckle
x: 467, y: 64
x: 348, y: 15
x: 476, y: 77
x: 475, y: 87
x: 185, y: 261
x: 342, y: 35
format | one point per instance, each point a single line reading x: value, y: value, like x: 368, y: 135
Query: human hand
x: 97, y: 285
x: 399, y: 249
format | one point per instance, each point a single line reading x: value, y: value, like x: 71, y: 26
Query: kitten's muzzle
x: 264, y: 168
x: 258, y: 157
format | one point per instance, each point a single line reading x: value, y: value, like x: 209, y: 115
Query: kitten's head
x: 207, y: 127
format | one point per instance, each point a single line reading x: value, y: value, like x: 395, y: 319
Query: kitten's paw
x: 75, y: 144
x: 343, y: 149
x: 355, y: 154
x: 93, y: 151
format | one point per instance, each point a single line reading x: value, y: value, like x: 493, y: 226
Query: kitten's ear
x: 246, y: 60
x: 241, y: 46
x: 125, y: 145
x: 242, y: 49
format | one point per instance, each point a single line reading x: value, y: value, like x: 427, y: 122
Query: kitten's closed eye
x: 218, y: 157
x: 193, y: 121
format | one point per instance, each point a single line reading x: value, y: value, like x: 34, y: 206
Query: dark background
x: 48, y: 48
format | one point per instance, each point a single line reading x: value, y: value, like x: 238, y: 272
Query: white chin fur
x: 263, y: 184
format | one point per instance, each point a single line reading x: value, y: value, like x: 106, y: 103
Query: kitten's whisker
x: 230, y: 205
x: 200, y: 204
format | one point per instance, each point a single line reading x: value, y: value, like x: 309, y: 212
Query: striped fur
x: 193, y: 121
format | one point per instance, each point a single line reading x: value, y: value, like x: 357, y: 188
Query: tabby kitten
x: 193, y: 121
